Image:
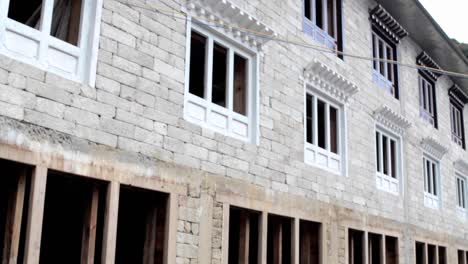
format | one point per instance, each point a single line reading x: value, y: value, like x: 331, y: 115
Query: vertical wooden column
x: 149, y: 248
x: 296, y: 241
x: 171, y: 229
x: 383, y: 258
x: 366, y: 247
x: 13, y: 222
x: 206, y: 226
x: 110, y: 223
x: 88, y: 244
x: 426, y: 257
x: 263, y: 242
x: 225, y: 236
x: 36, y: 214
x: 244, y: 237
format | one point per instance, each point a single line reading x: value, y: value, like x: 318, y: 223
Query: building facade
x: 231, y: 131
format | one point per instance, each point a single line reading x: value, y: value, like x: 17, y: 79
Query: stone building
x: 230, y: 131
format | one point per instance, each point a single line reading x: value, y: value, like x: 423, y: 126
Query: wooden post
x: 244, y: 237
x: 263, y: 238
x: 110, y: 223
x: 383, y: 256
x: 171, y: 229
x: 225, y: 238
x: 296, y: 242
x: 88, y: 244
x: 149, y: 248
x: 13, y: 222
x: 36, y: 214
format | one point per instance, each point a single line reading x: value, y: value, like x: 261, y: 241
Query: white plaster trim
x: 329, y: 81
x: 461, y: 166
x: 237, y: 22
x: 433, y: 147
x: 392, y: 120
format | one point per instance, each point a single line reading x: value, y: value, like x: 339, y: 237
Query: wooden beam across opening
x: 14, y: 218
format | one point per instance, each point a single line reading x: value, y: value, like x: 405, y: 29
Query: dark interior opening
x: 197, y: 64
x: 279, y: 244
x: 355, y: 246
x: 66, y: 19
x: 309, y: 118
x: 391, y: 250
x: 431, y: 254
x: 420, y: 258
x: 243, y: 236
x: 15, y: 185
x: 321, y: 124
x: 319, y: 14
x: 27, y: 12
x: 375, y: 248
x: 309, y: 250
x: 442, y: 255
x: 220, y: 60
x: 307, y: 9
x: 334, y: 130
x: 73, y: 219
x: 141, y: 226
x: 240, y: 84
x: 461, y: 257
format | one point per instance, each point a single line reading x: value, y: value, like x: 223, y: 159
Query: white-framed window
x: 384, y: 73
x: 388, y: 160
x: 432, y: 190
x: 457, y: 124
x: 461, y: 193
x: 60, y: 36
x: 322, y: 21
x: 221, y: 88
x: 324, y: 133
x: 427, y: 100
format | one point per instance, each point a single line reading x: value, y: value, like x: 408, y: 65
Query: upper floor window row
x: 323, y: 21
x: 386, y: 35
x: 60, y: 36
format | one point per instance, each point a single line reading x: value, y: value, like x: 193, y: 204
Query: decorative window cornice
x: 425, y: 60
x: 457, y: 94
x: 433, y: 147
x: 231, y: 20
x: 461, y: 166
x: 387, y: 24
x: 392, y: 120
x: 328, y: 81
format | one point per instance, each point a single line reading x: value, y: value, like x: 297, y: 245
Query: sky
x: 452, y: 16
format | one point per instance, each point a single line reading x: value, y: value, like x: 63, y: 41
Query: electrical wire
x: 212, y: 23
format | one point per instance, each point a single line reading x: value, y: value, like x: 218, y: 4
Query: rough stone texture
x: 137, y: 108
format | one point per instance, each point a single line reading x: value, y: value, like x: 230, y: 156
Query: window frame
x: 427, y: 86
x: 457, y: 128
x: 319, y: 34
x: 432, y: 193
x: 312, y: 152
x: 77, y: 63
x: 210, y: 115
x: 462, y: 198
x: 390, y: 85
x: 386, y: 182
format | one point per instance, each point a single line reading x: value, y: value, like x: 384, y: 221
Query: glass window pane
x: 240, y: 85
x: 389, y: 65
x: 393, y: 158
x: 334, y: 130
x: 321, y: 123
x: 27, y: 12
x: 197, y: 64
x: 319, y: 13
x: 307, y: 9
x: 374, y: 50
x: 385, y: 154
x: 434, y: 179
x: 309, y: 119
x: 218, y: 92
x: 428, y: 176
x: 377, y: 147
x: 66, y: 20
x: 331, y: 17
x: 381, y: 56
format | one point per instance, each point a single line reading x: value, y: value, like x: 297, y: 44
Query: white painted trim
x: 77, y: 63
x: 205, y: 113
x: 313, y: 148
